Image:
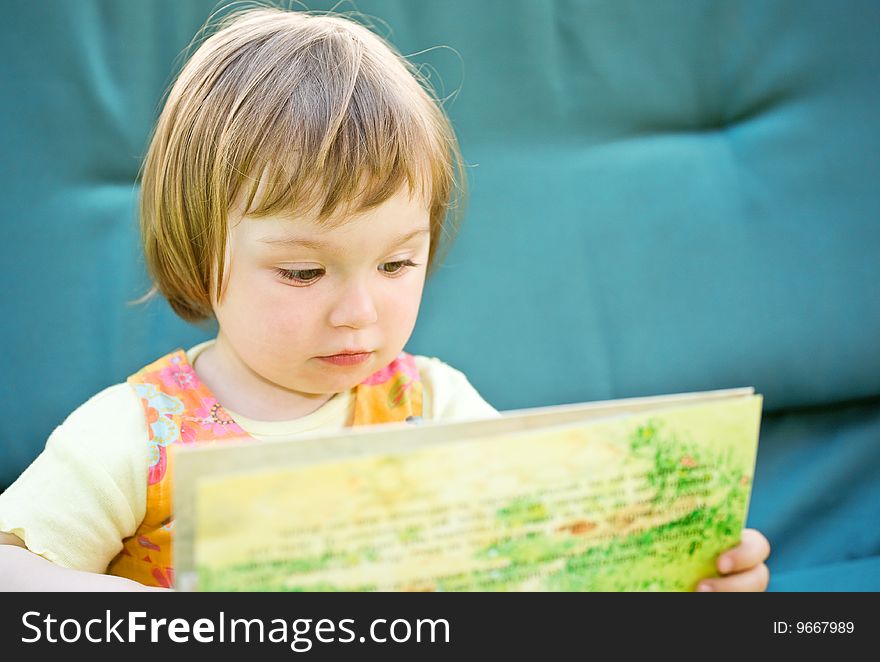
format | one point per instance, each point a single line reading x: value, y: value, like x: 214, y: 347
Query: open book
x: 635, y: 494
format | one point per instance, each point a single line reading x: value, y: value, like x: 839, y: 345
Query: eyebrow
x: 297, y: 242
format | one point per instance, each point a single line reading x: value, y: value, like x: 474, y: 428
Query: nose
x: 355, y: 307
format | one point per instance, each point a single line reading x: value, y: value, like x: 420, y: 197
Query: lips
x: 347, y: 358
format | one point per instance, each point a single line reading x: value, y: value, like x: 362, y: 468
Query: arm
x: 22, y: 570
x: 78, y: 499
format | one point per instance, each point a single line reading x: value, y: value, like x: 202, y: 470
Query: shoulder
x: 448, y: 394
x: 432, y: 368
x: 116, y: 408
x: 108, y: 433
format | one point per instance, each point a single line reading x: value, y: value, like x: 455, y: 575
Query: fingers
x: 752, y: 550
x: 754, y: 579
x: 742, y: 567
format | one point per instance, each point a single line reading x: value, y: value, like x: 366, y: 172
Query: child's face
x: 297, y: 292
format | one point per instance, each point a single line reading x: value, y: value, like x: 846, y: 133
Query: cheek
x: 260, y: 309
x: 402, y: 306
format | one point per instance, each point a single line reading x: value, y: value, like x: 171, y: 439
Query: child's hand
x: 742, y: 568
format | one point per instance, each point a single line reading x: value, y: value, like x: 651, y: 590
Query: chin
x: 338, y: 384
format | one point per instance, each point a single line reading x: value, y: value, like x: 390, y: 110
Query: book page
x: 194, y: 462
x: 641, y: 501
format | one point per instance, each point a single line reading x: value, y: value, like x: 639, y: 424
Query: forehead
x: 400, y: 216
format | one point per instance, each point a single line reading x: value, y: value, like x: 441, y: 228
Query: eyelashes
x: 303, y: 277
x: 398, y: 266
x: 300, y: 276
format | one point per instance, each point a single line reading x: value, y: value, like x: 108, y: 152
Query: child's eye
x: 392, y: 268
x: 300, y: 276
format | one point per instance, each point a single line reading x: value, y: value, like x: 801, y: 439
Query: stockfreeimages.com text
x: 300, y: 633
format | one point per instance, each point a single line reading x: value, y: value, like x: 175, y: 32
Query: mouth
x: 347, y: 358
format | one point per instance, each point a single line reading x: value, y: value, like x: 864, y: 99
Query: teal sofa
x: 665, y: 197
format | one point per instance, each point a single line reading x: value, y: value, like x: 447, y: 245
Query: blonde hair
x: 316, y: 111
